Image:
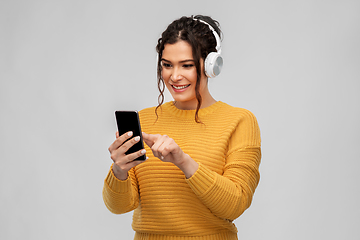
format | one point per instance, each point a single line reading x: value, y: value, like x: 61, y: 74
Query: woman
x: 203, y: 155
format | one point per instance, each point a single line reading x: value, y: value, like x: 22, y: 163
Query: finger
x: 159, y: 142
x: 117, y: 134
x: 126, y: 166
x: 168, y: 148
x: 146, y: 136
x: 131, y: 157
x: 159, y: 145
x: 127, y: 145
x: 119, y: 141
x: 118, y: 155
x: 133, y: 164
x: 150, y: 139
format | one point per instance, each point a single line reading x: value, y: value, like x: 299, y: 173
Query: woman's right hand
x: 122, y: 162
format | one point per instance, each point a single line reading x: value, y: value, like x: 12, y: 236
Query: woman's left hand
x: 167, y: 150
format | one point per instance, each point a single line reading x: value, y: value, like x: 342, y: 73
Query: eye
x: 188, y: 65
x: 166, y: 65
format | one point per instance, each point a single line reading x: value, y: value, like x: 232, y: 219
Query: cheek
x: 191, y: 76
x: 165, y: 75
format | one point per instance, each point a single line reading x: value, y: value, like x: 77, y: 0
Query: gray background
x: 66, y: 66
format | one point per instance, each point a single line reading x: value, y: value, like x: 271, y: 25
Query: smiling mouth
x: 180, y: 87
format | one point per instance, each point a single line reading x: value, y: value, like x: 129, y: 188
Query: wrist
x: 189, y: 166
x: 119, y: 174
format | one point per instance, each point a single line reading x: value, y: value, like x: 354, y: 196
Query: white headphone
x: 213, y: 61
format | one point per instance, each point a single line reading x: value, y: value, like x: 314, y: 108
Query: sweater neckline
x: 170, y: 106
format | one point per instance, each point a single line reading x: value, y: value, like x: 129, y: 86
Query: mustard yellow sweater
x: 167, y: 205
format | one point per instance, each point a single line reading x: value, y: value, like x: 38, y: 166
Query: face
x: 179, y: 74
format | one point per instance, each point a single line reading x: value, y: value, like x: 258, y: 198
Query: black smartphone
x: 129, y: 121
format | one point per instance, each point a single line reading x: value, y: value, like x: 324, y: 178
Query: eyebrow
x: 187, y: 60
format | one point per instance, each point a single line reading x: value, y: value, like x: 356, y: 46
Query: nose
x: 176, y: 74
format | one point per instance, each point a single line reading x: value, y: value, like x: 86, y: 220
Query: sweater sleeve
x: 120, y: 196
x: 230, y: 194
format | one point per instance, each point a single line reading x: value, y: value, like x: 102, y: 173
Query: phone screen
x: 129, y: 121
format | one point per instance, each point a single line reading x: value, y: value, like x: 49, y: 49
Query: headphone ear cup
x: 213, y: 64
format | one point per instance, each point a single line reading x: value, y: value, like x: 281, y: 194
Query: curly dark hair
x: 201, y: 40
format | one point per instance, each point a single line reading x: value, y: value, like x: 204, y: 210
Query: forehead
x: 178, y: 51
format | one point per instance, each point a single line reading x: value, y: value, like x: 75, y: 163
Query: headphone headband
x: 213, y: 61
x: 216, y: 35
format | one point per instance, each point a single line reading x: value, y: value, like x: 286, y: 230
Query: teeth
x: 181, y: 87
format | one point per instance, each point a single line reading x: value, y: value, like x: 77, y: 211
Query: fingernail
x: 143, y: 151
x: 137, y: 138
x: 130, y: 134
x: 162, y: 157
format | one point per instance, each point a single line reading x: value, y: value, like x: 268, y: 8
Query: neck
x: 207, y: 101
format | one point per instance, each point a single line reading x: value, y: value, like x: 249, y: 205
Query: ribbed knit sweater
x: 226, y: 144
